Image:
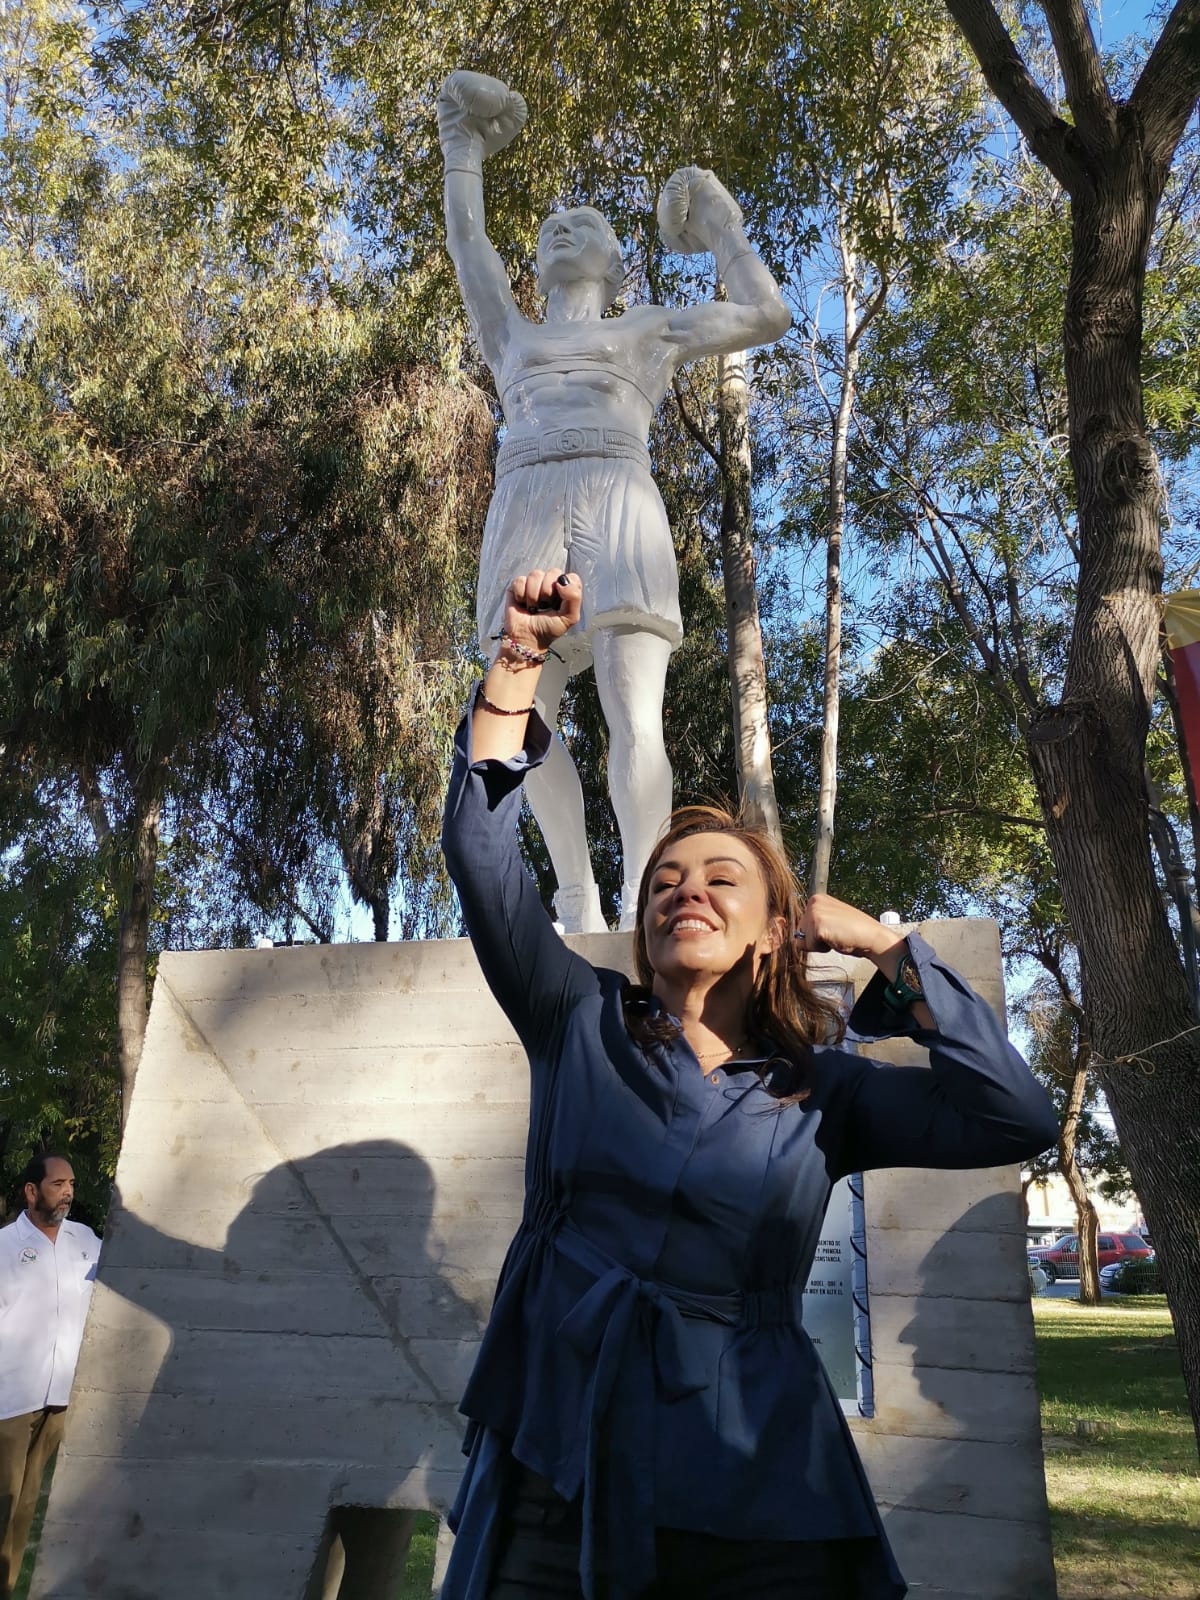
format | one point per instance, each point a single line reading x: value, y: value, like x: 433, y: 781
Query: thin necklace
x: 725, y: 1050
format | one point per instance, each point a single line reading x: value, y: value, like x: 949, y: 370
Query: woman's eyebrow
x: 709, y: 861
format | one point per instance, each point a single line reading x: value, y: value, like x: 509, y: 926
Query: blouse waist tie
x: 631, y: 1334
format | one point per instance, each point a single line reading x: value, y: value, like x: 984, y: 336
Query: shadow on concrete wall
x: 971, y: 1515
x: 322, y: 1315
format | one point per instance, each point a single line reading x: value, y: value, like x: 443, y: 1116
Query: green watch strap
x: 902, y: 991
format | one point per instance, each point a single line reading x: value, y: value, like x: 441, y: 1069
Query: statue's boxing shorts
x: 582, y: 499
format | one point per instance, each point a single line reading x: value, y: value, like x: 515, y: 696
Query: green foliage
x: 214, y: 481
x: 238, y: 513
x: 58, y: 1081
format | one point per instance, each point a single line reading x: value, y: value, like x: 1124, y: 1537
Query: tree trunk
x: 131, y: 859
x: 133, y: 944
x: 381, y: 915
x: 1087, y: 1223
x: 831, y: 696
x: 747, y: 668
x: 1087, y: 753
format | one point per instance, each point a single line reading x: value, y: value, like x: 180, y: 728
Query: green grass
x: 1125, y: 1502
x: 418, y: 1572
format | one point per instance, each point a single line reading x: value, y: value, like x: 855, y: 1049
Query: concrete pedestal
x: 320, y: 1176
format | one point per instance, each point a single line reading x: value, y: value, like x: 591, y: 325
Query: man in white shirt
x: 47, y: 1269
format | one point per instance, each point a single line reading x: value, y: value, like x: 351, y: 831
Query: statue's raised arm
x: 477, y: 115
x: 696, y: 216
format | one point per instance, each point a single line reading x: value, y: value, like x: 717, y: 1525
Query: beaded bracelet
x: 537, y: 658
x: 500, y: 711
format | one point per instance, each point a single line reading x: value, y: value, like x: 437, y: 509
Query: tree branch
x: 324, y: 935
x: 933, y: 512
x: 1083, y: 74
x: 814, y: 364
x: 1169, y: 86
x: 939, y: 557
x: 1011, y: 81
x: 943, y: 564
x: 699, y: 434
x: 1021, y: 672
x: 874, y: 306
x: 1051, y: 959
x: 93, y: 803
x: 1037, y: 823
x: 240, y: 848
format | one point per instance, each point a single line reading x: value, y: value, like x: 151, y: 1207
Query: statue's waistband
x: 563, y: 444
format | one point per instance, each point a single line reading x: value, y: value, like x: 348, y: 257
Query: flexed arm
x: 976, y: 1105
x: 697, y: 215
x: 477, y: 116
x: 534, y: 976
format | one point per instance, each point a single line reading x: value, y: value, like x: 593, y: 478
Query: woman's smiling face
x: 707, y: 910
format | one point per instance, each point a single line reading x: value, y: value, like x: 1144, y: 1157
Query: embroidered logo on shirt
x: 28, y: 1254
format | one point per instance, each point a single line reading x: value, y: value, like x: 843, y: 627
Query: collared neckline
x: 756, y: 1055
x: 752, y: 1057
x: 28, y: 1230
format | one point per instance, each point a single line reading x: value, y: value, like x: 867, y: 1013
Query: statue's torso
x: 611, y: 372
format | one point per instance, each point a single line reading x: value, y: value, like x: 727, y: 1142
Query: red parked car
x: 1061, y: 1259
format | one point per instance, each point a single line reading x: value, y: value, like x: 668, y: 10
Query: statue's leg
x: 631, y: 676
x: 556, y: 799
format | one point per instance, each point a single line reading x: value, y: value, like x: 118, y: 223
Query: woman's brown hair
x: 784, y: 1007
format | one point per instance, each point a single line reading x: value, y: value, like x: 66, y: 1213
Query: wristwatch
x: 905, y: 987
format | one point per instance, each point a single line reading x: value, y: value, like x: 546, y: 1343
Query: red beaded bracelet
x: 500, y: 711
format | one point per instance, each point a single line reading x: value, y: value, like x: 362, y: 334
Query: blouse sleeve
x: 976, y: 1105
x: 536, y: 979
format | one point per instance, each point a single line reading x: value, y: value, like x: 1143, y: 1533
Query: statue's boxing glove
x: 477, y: 116
x: 694, y: 210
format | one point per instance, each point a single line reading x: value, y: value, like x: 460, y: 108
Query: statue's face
x: 574, y: 245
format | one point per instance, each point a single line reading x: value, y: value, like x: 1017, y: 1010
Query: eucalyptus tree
x: 1020, y: 456
x: 213, y: 479
x: 331, y: 775
x: 889, y: 124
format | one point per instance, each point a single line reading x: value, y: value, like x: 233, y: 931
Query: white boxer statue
x: 573, y: 484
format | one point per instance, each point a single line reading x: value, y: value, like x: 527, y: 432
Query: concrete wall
x: 320, y: 1175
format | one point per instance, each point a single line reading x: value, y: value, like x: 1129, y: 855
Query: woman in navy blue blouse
x: 648, y: 1418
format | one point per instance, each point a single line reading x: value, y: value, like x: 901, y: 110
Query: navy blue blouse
x: 645, y: 1347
